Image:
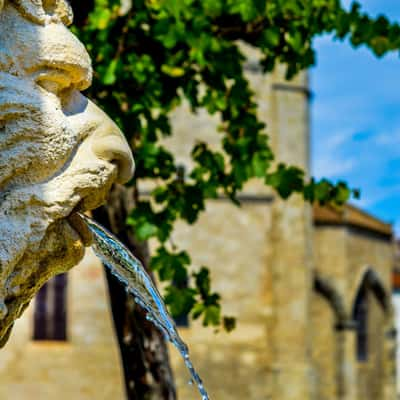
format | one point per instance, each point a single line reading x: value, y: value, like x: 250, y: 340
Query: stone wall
x: 234, y: 243
x: 259, y: 256
x: 354, y: 260
x: 325, y: 351
x: 86, y: 367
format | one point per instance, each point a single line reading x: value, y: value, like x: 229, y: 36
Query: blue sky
x: 356, y: 119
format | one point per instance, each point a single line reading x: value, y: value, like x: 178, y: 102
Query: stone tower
x: 259, y: 255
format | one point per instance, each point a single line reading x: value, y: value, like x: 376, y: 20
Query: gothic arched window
x: 361, y: 318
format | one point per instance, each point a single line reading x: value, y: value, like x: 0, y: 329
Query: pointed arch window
x: 371, y: 285
x: 361, y: 318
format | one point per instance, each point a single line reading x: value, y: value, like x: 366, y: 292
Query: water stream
x: 129, y: 270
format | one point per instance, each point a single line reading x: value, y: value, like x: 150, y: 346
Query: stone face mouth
x: 80, y: 227
x: 77, y: 223
x: 69, y: 235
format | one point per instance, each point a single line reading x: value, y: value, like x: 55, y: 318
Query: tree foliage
x: 155, y: 54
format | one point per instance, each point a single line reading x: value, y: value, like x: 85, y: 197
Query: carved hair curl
x: 38, y: 11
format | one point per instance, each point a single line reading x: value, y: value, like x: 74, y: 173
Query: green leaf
x: 295, y: 40
x: 212, y: 315
x: 286, y: 180
x: 145, y: 231
x: 180, y: 301
x: 229, y: 323
x: 175, y: 7
x: 109, y: 76
x: 380, y: 45
x: 245, y: 8
x: 272, y: 36
x: 198, y: 310
x: 212, y: 7
x: 202, y: 279
x: 260, y: 165
x: 343, y: 194
x: 100, y: 18
x: 174, y: 72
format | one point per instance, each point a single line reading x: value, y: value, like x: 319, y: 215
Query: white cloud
x: 328, y: 167
x: 328, y: 159
x: 388, y: 139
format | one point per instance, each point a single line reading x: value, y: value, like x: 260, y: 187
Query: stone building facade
x: 310, y: 289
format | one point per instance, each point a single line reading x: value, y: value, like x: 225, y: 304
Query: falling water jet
x: 129, y: 270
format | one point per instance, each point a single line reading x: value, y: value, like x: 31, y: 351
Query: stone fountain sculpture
x: 59, y: 153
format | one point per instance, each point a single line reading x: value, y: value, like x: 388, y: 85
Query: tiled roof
x: 350, y: 216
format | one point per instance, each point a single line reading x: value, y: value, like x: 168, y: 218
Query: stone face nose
x: 108, y: 143
x: 112, y: 146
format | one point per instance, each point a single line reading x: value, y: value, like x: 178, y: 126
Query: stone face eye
x: 49, y: 6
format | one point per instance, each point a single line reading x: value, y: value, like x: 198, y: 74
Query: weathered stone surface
x: 353, y: 259
x: 58, y: 151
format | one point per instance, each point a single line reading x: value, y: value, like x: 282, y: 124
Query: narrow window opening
x: 361, y: 319
x: 50, y: 314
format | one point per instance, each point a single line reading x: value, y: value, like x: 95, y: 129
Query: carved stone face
x: 58, y: 151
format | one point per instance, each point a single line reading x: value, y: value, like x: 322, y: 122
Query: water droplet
x: 149, y: 318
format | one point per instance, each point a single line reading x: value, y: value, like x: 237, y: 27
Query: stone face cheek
x: 58, y: 151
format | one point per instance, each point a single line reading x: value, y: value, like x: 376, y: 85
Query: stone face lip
x: 59, y: 153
